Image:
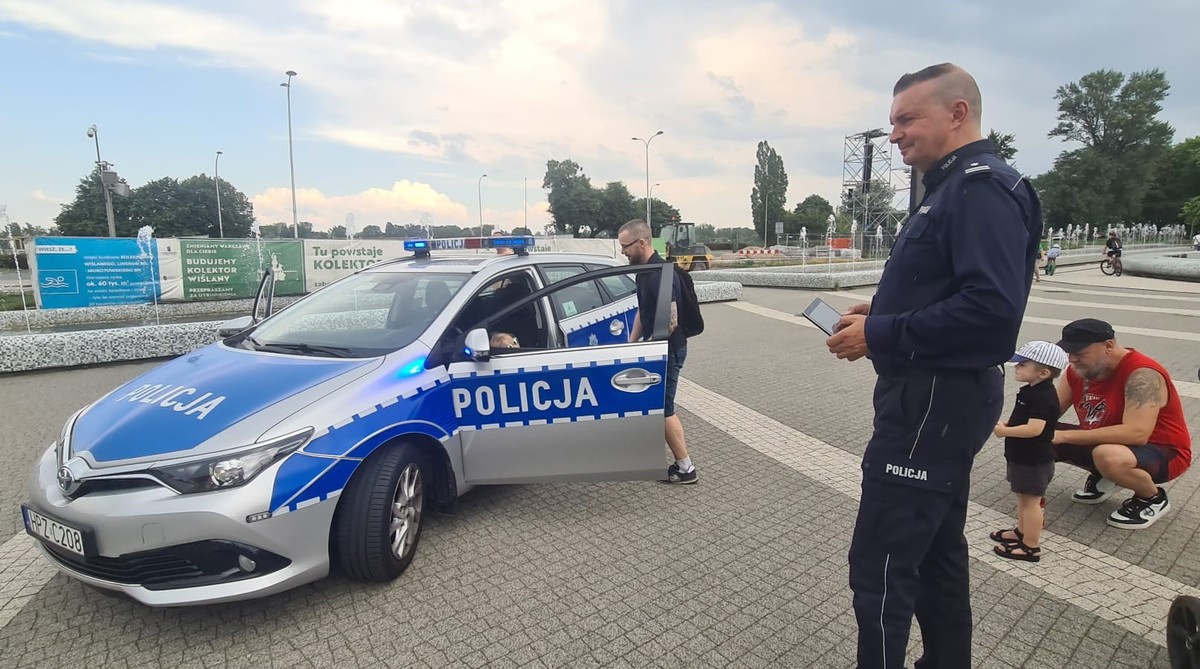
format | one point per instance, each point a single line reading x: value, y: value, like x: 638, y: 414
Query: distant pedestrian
x: 1028, y: 449
x: 1052, y: 259
x: 945, y: 316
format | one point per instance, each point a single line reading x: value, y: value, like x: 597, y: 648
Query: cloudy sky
x: 399, y: 107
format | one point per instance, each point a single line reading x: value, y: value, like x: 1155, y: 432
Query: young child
x: 503, y: 340
x: 1052, y: 259
x: 1027, y: 448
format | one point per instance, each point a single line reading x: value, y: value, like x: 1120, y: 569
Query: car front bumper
x: 162, y: 548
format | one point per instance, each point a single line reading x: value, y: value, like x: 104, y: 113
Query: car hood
x: 183, y: 403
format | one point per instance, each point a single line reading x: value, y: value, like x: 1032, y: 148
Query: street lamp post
x: 217, y: 178
x: 291, y: 155
x: 108, y: 207
x: 647, y: 143
x: 479, y: 190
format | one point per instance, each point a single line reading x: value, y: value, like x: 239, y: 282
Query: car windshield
x: 363, y: 315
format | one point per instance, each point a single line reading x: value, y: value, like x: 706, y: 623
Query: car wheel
x: 381, y: 514
x: 699, y: 266
x: 1183, y: 633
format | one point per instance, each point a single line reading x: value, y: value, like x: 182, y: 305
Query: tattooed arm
x: 1145, y: 396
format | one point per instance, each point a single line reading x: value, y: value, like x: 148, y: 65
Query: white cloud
x: 40, y: 196
x: 403, y: 202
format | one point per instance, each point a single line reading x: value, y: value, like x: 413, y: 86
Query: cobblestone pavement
x: 746, y: 569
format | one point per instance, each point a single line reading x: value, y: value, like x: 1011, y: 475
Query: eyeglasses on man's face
x: 625, y: 247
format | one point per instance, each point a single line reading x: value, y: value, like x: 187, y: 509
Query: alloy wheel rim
x: 406, y: 511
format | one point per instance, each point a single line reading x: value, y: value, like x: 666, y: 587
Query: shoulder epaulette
x: 977, y: 170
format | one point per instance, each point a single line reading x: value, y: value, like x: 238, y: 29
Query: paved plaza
x: 746, y: 569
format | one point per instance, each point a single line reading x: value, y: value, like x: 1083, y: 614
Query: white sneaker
x: 1095, y: 490
x: 1138, y: 514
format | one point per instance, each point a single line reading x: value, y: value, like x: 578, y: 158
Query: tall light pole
x: 526, y: 203
x: 479, y: 189
x: 766, y: 182
x: 652, y: 189
x: 108, y: 208
x: 217, y: 178
x: 291, y: 156
x: 647, y: 143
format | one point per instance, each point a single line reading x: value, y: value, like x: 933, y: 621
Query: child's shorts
x: 1030, y: 479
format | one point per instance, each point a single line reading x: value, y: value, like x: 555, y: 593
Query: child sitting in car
x: 504, y: 340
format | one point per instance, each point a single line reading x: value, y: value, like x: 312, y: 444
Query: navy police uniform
x: 944, y: 319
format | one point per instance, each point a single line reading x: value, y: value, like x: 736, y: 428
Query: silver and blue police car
x: 322, y: 434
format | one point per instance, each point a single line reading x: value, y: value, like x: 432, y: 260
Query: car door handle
x: 635, y: 378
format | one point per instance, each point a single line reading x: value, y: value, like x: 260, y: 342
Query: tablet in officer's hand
x: 823, y: 316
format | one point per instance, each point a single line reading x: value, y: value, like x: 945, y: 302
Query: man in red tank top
x: 1131, y: 432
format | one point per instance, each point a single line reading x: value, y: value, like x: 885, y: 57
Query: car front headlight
x: 232, y: 469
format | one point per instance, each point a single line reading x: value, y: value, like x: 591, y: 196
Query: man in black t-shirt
x: 634, y: 238
x: 1028, y: 446
x: 1113, y: 246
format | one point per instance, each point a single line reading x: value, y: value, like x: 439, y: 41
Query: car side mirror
x: 234, y: 326
x: 477, y: 347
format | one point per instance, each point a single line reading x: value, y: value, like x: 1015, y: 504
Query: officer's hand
x: 850, y: 340
x: 1060, y: 437
x: 863, y: 309
x: 1000, y: 427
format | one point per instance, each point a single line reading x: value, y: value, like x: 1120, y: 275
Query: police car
x: 323, y: 434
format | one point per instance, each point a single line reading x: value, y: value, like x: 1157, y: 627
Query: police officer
x: 944, y: 318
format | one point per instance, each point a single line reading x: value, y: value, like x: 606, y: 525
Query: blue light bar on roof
x: 424, y: 246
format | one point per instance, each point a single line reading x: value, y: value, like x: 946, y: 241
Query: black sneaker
x: 676, y: 476
x: 1138, y: 514
x: 1095, y: 490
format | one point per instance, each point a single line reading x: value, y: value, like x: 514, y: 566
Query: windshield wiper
x: 282, y: 347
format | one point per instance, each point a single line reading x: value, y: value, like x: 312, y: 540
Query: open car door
x: 564, y: 412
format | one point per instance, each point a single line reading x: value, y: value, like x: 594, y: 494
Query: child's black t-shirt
x: 1036, y: 401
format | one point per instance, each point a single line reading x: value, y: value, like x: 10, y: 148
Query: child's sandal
x: 1027, y: 554
x: 998, y: 536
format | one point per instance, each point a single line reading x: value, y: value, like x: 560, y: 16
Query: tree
x: 812, y: 213
x: 1190, y: 214
x: 1176, y: 180
x: 1079, y: 189
x: 337, y: 232
x: 1112, y: 115
x: 1115, y: 119
x: 574, y: 204
x: 173, y: 208
x: 85, y: 216
x: 1005, y: 147
x: 616, y: 207
x: 661, y: 213
x: 770, y: 189
x: 370, y: 232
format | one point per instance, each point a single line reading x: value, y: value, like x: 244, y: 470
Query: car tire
x: 381, y: 514
x: 1183, y: 633
x: 699, y: 266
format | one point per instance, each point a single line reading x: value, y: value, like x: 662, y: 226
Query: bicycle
x: 1111, y: 266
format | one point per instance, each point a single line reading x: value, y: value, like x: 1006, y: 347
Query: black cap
x: 1084, y: 332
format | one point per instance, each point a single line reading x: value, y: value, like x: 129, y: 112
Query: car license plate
x: 53, y: 532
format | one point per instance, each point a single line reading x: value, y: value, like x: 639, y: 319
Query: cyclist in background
x: 1113, y: 249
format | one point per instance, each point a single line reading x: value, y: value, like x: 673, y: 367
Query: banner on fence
x: 89, y: 272
x: 215, y: 269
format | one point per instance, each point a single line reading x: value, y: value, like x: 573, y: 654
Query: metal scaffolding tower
x: 867, y: 170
